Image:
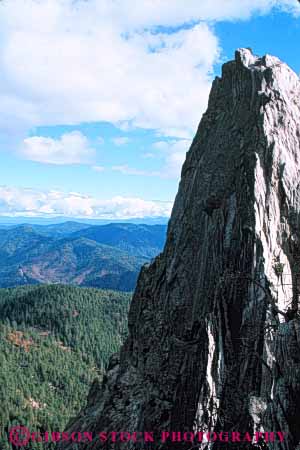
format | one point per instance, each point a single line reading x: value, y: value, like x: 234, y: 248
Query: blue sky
x: 99, y: 105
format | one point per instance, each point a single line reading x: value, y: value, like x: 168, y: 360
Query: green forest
x: 55, y: 341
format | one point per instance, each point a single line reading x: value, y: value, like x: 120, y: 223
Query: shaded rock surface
x: 214, y: 334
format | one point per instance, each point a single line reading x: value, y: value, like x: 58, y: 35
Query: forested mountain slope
x: 54, y: 341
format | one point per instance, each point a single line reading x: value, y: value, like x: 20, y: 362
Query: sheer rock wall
x: 214, y: 338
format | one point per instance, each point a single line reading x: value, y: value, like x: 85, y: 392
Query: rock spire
x: 214, y: 333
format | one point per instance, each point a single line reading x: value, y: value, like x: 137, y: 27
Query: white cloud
x: 71, y: 148
x: 70, y: 62
x: 173, y: 153
x: 289, y: 6
x: 148, y: 155
x: 126, y: 170
x: 98, y: 168
x: 147, y: 13
x: 33, y: 203
x: 118, y: 141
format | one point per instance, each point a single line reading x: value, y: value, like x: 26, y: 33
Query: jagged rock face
x: 207, y: 348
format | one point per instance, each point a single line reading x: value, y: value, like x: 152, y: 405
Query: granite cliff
x: 214, y: 332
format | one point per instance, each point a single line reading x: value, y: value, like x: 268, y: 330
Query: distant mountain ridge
x: 143, y: 240
x: 21, y: 220
x: 103, y: 256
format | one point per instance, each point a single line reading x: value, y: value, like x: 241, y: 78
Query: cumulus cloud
x: 71, y: 148
x: 71, y: 62
x: 33, y: 203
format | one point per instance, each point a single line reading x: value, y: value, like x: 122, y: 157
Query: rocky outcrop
x: 214, y: 334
